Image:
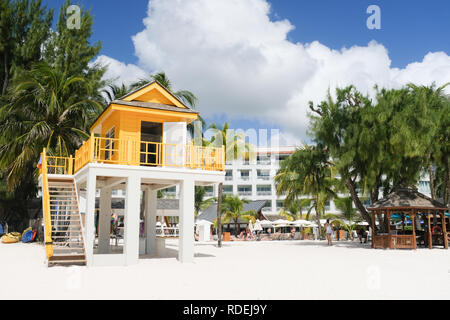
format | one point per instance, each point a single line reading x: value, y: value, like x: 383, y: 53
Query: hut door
x: 151, y: 137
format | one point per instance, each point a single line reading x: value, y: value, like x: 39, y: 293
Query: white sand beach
x: 239, y: 270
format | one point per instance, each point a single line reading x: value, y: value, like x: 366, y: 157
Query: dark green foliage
x: 384, y: 143
x: 24, y: 26
x: 42, y: 113
x: 49, y: 90
x: 307, y: 172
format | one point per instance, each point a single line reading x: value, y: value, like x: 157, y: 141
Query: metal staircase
x: 67, y: 240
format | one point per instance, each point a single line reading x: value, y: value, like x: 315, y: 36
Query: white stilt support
x: 132, y: 210
x: 104, y: 221
x: 186, y: 224
x: 150, y: 220
x: 90, y: 217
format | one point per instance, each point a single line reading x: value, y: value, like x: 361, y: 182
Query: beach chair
x: 276, y: 236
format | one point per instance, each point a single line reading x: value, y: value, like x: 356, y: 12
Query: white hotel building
x: 254, y: 180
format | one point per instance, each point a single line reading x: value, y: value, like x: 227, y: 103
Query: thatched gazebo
x: 427, y: 217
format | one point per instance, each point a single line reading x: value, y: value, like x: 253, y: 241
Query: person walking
x: 328, y: 231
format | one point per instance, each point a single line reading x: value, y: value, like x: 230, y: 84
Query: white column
x: 186, y: 225
x: 150, y: 220
x: 132, y: 208
x: 104, y: 221
x: 89, y: 216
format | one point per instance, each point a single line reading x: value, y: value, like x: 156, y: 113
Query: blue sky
x: 409, y: 30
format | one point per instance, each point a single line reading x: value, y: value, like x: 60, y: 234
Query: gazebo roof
x: 406, y: 197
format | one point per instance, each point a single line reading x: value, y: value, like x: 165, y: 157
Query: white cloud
x: 119, y: 72
x: 238, y: 61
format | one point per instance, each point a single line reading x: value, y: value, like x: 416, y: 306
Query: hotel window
x: 279, y: 204
x: 263, y: 174
x: 263, y: 159
x: 282, y: 157
x: 245, y: 190
x: 264, y: 190
x: 245, y: 175
x: 109, y: 143
x: 227, y: 189
x: 209, y: 191
x: 229, y: 175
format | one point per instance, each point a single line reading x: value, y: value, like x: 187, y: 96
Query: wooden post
x: 70, y: 166
x: 92, y: 148
x: 444, y: 229
x: 373, y: 229
x: 430, y: 239
x: 413, y: 214
x: 389, y: 229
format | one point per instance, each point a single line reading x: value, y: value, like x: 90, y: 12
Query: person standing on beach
x: 328, y: 231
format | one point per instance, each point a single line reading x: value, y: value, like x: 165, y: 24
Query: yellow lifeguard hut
x: 139, y: 144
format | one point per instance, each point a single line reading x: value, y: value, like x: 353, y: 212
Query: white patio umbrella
x: 282, y: 221
x: 301, y: 222
x: 250, y: 226
x: 266, y: 223
x: 257, y: 226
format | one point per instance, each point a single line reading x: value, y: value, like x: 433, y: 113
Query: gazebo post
x: 389, y: 228
x: 413, y: 217
x: 430, y: 239
x: 444, y: 229
x: 373, y: 229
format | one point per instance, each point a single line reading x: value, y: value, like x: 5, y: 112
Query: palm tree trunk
x: 431, y: 174
x: 316, y: 208
x: 219, y: 216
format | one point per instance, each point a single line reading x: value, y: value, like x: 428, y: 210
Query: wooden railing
x: 59, y: 165
x: 380, y: 241
x: 138, y: 153
x: 402, y: 241
x: 46, y: 203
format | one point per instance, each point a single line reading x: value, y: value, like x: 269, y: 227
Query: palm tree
x: 45, y: 109
x: 113, y: 92
x: 294, y: 209
x: 235, y: 146
x: 232, y: 209
x: 345, y: 206
x: 200, y: 203
x: 306, y: 172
